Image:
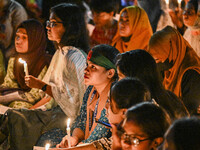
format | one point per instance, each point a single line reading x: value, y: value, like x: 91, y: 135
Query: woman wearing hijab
x: 30, y: 44
x: 63, y: 82
x: 134, y: 30
x: 180, y: 65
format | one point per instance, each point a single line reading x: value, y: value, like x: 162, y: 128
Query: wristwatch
x: 44, y: 88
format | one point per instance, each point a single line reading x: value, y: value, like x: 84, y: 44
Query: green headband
x: 100, y: 60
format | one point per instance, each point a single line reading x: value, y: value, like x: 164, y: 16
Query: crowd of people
x: 126, y: 73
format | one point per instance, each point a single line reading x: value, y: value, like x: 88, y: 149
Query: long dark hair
x: 73, y: 20
x: 128, y: 92
x: 184, y: 134
x: 107, y: 51
x: 140, y: 64
x: 152, y: 119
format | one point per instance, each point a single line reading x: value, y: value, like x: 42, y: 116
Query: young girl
x: 142, y: 129
x: 99, y: 74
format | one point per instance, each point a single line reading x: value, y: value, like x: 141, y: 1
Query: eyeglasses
x: 130, y: 139
x: 51, y: 24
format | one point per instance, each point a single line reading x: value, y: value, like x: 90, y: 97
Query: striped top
x: 66, y: 77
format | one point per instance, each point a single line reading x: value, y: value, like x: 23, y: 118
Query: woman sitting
x: 142, y: 129
x: 64, y: 80
x: 140, y: 64
x: 179, y: 64
x: 134, y: 30
x: 99, y: 74
x: 124, y: 94
x: 30, y: 44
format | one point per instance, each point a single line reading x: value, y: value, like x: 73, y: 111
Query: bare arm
x: 33, y: 82
x: 77, y: 136
x: 89, y: 146
x: 41, y: 102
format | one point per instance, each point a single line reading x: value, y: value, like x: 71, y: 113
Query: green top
x: 32, y: 96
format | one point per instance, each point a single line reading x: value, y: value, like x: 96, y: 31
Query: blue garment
x: 80, y: 122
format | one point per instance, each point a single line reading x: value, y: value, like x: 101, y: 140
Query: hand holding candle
x: 25, y: 66
x: 68, y: 132
x: 179, y: 4
x: 167, y: 4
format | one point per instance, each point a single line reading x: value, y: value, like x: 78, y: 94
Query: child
x: 105, y: 25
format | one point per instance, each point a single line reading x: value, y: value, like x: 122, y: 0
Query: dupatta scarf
x: 169, y: 44
x: 140, y: 28
x: 36, y: 57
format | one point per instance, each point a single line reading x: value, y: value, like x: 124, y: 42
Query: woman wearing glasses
x: 124, y: 94
x: 63, y: 82
x: 142, y: 129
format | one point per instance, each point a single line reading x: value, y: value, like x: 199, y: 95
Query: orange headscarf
x: 140, y: 28
x: 169, y: 43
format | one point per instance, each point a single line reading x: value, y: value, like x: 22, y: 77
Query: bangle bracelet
x: 44, y: 88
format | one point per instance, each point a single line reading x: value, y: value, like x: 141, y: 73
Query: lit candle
x: 25, y: 65
x: 167, y: 4
x: 47, y: 146
x: 68, y: 132
x: 179, y: 3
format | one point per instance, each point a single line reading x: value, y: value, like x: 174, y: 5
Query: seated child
x: 105, y: 25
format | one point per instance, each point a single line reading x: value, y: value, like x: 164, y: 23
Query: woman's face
x: 189, y: 15
x: 115, y: 115
x: 95, y: 75
x: 168, y: 142
x: 55, y: 28
x: 124, y: 27
x: 21, y: 40
x: 120, y: 74
x: 133, y: 132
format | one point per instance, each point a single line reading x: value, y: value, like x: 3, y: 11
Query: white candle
x: 25, y: 65
x: 47, y: 146
x: 167, y: 4
x: 179, y: 3
x: 68, y: 132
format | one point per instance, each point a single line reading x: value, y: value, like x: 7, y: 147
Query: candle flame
x: 68, y: 122
x: 47, y: 146
x: 167, y: 2
x: 22, y: 61
x: 179, y: 1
